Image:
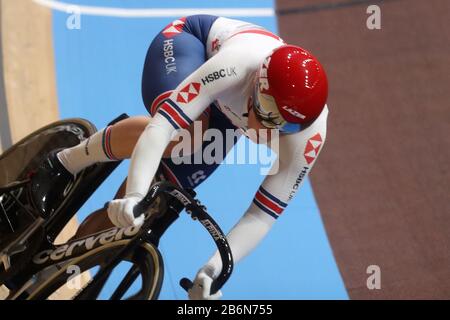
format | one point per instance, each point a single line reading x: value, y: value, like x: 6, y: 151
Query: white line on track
x: 154, y: 13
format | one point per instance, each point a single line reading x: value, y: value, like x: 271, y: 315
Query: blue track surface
x: 98, y: 77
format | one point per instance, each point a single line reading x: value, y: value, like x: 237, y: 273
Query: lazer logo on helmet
x: 263, y: 81
x: 222, y: 73
x: 295, y: 113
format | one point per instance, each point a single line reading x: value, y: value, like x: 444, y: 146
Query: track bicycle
x: 27, y: 247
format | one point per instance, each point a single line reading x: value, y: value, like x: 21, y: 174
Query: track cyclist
x: 227, y: 74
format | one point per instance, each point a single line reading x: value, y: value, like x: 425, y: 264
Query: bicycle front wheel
x: 138, y: 277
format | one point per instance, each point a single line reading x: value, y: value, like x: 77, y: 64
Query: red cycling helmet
x: 291, y: 89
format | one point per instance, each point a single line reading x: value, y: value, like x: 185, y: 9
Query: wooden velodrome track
x: 382, y: 182
x: 28, y: 98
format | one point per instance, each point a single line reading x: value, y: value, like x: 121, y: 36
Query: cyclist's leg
x: 190, y: 175
x: 185, y: 175
x: 98, y: 220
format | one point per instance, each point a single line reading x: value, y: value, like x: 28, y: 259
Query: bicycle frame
x: 172, y: 201
x: 153, y: 229
x: 173, y: 198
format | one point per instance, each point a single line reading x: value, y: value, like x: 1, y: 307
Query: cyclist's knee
x: 125, y: 134
x: 132, y: 126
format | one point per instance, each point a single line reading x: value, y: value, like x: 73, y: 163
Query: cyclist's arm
x: 274, y: 194
x: 184, y: 105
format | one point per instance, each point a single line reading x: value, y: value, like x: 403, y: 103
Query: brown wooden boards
x: 383, y: 178
x: 28, y: 97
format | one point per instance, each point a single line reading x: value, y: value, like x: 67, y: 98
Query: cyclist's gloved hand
x: 120, y: 212
x: 202, y: 288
